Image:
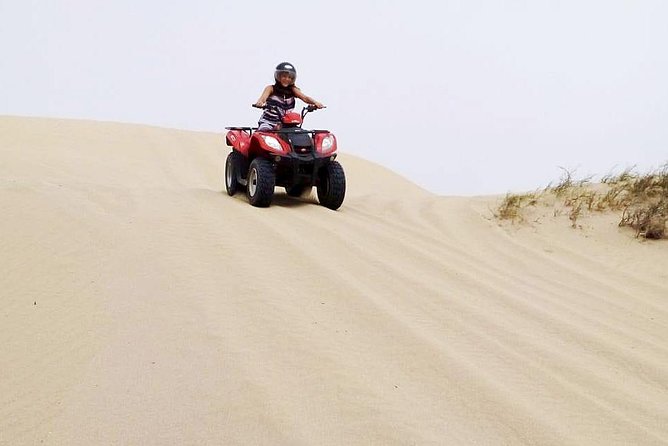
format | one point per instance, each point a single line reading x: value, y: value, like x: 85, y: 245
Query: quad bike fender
x: 263, y: 143
x: 239, y: 140
x: 292, y: 118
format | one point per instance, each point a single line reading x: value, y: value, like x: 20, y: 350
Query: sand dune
x: 142, y: 305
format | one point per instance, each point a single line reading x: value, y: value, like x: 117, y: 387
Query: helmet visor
x: 289, y: 74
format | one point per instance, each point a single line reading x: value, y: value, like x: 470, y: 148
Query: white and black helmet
x: 285, y: 67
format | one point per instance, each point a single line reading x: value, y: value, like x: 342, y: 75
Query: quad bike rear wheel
x: 232, y: 168
x: 261, y: 182
x: 332, y: 185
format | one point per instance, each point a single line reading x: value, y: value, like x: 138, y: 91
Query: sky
x: 470, y: 97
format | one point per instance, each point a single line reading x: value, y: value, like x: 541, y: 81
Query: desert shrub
x: 567, y: 183
x: 574, y: 214
x: 646, y: 209
x: 512, y: 205
x: 615, y: 199
x: 626, y: 175
x: 649, y: 221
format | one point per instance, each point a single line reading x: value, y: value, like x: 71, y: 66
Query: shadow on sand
x: 281, y: 199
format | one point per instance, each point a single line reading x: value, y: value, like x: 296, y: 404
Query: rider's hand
x: 260, y: 104
x: 318, y: 104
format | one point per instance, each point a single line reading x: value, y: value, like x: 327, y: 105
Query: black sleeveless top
x: 281, y: 101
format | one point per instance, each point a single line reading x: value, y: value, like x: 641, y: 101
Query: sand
x: 141, y: 305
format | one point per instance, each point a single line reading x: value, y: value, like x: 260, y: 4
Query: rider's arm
x: 265, y: 94
x: 298, y: 93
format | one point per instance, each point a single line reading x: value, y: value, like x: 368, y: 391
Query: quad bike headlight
x: 272, y: 142
x: 327, y: 143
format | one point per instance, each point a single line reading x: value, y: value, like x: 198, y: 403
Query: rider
x: 281, y: 97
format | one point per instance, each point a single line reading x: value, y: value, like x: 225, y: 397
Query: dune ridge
x: 142, y: 305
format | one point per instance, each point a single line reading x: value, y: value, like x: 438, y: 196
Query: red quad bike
x: 291, y: 157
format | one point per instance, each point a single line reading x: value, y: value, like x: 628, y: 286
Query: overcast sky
x: 462, y: 97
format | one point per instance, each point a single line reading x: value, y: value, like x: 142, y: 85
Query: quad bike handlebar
x: 306, y: 110
x: 309, y: 108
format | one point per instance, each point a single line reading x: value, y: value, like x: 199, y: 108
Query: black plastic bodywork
x: 302, y: 165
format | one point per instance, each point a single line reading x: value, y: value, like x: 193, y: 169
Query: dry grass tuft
x: 645, y: 204
x: 512, y: 205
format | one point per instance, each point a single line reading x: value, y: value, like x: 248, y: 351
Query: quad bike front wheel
x: 232, y: 166
x: 332, y: 185
x: 261, y: 182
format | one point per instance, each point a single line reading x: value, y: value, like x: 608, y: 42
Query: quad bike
x: 290, y: 156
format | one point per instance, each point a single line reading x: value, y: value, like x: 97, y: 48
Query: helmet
x: 285, y: 67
